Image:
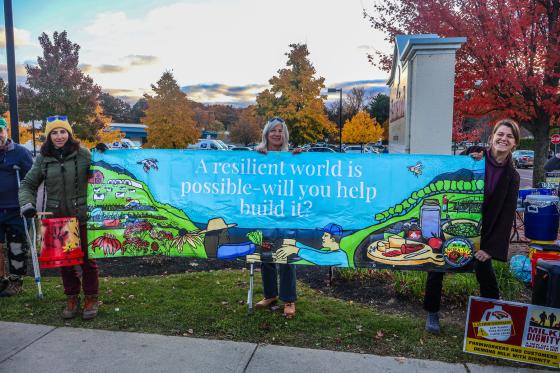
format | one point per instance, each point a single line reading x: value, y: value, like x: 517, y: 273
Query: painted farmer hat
x: 332, y: 228
x: 217, y: 224
x: 3, y: 123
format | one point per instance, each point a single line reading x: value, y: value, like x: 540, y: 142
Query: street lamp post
x: 332, y: 90
x: 10, y: 53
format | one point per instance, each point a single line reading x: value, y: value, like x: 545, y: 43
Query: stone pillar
x: 421, y: 94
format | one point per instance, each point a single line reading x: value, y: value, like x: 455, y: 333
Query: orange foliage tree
x: 103, y: 134
x: 361, y: 129
x: 169, y: 116
x: 295, y: 96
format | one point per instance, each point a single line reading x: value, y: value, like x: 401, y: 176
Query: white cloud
x: 231, y: 42
x: 22, y: 38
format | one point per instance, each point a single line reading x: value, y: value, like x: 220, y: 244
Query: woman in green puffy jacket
x: 63, y: 166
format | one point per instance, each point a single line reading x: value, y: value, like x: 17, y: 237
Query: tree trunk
x: 541, y: 135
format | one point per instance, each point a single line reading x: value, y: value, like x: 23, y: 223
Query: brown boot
x: 266, y: 303
x: 72, y: 307
x: 4, y: 282
x: 289, y: 310
x: 90, y: 307
x: 15, y: 287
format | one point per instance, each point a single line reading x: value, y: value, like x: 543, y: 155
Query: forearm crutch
x: 32, y: 244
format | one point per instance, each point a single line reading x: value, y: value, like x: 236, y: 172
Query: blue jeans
x: 269, y: 273
x: 12, y: 232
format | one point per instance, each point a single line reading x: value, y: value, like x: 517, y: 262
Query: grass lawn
x: 212, y: 305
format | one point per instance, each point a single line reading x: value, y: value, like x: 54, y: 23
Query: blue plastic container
x: 541, y: 217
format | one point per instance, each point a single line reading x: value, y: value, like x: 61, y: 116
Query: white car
x: 356, y: 149
x: 207, y: 144
x: 124, y: 144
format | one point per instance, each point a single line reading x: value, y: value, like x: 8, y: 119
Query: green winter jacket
x: 66, y: 194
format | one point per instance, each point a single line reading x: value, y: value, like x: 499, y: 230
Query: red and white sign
x: 555, y: 139
x: 513, y: 331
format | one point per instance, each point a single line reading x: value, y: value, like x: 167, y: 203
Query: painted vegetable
x: 435, y: 243
x: 462, y: 230
x: 108, y: 243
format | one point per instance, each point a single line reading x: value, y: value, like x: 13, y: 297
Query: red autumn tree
x: 510, y: 65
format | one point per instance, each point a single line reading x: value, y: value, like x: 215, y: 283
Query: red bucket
x: 61, y: 243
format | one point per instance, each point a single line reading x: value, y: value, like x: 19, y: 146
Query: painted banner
x: 346, y: 210
x: 514, y: 331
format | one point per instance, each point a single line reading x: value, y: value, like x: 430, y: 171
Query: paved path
x: 41, y: 348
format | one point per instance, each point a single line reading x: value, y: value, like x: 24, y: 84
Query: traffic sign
x: 555, y: 139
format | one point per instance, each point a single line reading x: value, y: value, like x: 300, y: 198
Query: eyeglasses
x: 57, y: 117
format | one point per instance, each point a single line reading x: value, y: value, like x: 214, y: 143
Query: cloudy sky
x: 219, y: 50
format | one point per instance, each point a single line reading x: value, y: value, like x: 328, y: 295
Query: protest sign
x: 345, y: 210
x: 513, y: 331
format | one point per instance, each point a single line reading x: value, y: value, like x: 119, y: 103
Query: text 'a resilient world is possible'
x: 297, y: 181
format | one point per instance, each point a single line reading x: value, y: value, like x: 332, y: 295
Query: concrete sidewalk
x: 41, y: 348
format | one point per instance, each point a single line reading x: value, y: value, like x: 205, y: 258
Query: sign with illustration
x: 513, y: 331
x: 345, y: 210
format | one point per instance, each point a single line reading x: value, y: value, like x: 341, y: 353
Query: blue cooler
x: 541, y: 217
x: 524, y: 193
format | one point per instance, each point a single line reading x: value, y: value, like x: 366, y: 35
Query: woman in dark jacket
x: 501, y: 186
x: 63, y: 166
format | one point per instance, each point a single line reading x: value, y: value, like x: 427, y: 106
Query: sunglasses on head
x: 276, y: 119
x: 57, y: 117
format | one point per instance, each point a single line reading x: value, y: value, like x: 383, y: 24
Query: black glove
x: 101, y: 147
x: 29, y: 211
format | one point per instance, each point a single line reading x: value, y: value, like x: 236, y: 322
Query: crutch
x: 32, y: 244
x: 250, y: 292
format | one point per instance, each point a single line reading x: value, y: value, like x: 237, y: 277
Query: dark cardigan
x: 498, y: 211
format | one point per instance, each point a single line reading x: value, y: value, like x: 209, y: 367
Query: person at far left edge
x: 12, y: 231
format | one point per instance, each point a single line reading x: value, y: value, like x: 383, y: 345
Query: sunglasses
x: 57, y: 117
x: 276, y: 119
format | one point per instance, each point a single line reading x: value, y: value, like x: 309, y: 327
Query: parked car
x: 336, y: 148
x: 123, y: 144
x: 320, y: 149
x: 523, y: 158
x: 356, y: 149
x: 207, y: 144
x: 224, y: 145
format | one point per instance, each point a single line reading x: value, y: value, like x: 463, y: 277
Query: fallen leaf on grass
x: 421, y: 341
x: 224, y: 303
x: 379, y: 334
x: 264, y: 326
